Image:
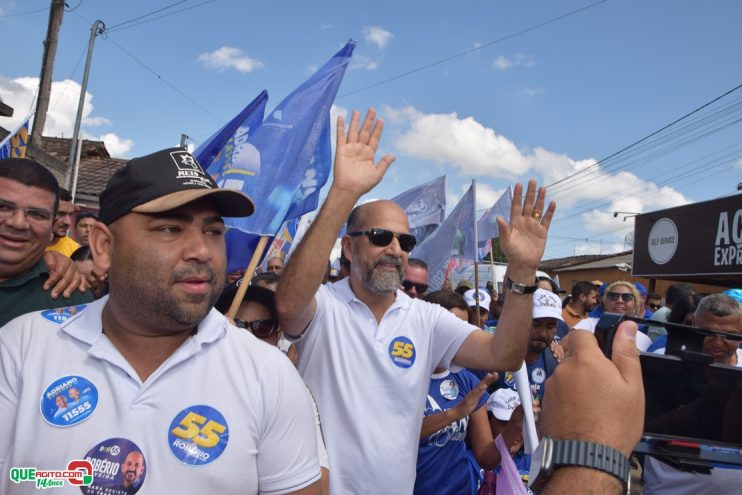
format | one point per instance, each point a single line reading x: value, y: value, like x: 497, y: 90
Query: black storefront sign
x: 700, y: 239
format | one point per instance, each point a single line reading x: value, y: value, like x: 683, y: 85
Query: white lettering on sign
x: 728, y: 243
x: 663, y: 241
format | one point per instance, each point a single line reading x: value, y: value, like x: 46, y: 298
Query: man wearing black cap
x: 156, y: 359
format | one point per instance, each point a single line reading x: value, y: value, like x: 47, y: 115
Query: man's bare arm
x: 523, y: 240
x: 355, y: 173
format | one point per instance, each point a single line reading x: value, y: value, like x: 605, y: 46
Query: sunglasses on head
x: 262, y: 329
x: 419, y: 288
x: 383, y: 237
x: 615, y: 296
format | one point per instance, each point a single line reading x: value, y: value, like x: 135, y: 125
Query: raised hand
x: 355, y: 170
x: 523, y: 239
x: 466, y: 406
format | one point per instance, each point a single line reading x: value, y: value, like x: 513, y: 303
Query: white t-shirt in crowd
x: 370, y: 382
x: 225, y: 413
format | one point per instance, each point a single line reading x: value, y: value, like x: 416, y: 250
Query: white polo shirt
x: 370, y: 382
x: 225, y: 413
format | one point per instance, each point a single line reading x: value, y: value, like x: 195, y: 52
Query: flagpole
x: 476, y: 254
x: 262, y: 243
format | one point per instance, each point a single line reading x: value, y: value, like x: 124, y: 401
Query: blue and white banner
x: 425, y: 206
x: 290, y: 158
x: 454, y: 238
x: 14, y: 144
x: 487, y: 228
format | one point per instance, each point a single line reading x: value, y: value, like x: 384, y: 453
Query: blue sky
x: 543, y: 103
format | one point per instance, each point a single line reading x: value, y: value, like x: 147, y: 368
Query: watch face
x: 541, y: 463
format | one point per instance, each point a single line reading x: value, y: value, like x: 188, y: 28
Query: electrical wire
x: 148, y: 14
x: 472, y: 50
x: 164, y: 15
x: 24, y: 13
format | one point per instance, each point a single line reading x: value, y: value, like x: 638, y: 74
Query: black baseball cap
x: 260, y: 295
x: 163, y: 181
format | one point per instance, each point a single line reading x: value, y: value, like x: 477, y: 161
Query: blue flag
x: 14, y: 145
x: 425, y: 206
x: 219, y: 149
x: 287, y: 159
x: 487, y: 228
x: 454, y: 238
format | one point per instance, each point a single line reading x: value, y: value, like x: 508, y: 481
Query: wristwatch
x: 518, y: 288
x: 552, y: 454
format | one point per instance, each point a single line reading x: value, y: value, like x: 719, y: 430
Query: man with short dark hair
x: 83, y: 224
x: 268, y: 280
x: 415, y: 283
x: 584, y: 298
x: 28, y: 202
x: 654, y: 301
x: 156, y: 358
x: 62, y: 242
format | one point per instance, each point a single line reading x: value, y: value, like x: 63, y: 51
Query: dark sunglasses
x: 419, y: 288
x: 383, y: 237
x: 262, y: 329
x: 655, y: 307
x: 615, y: 296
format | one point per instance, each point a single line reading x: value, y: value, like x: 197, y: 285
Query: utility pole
x: 97, y: 28
x: 47, y: 65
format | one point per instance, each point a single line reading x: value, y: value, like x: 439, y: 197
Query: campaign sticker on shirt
x: 119, y: 468
x: 68, y: 401
x: 61, y: 315
x: 402, y: 352
x: 510, y: 380
x: 538, y: 375
x: 449, y: 389
x: 198, y: 435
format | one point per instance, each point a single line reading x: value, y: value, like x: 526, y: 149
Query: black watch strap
x: 592, y: 455
x: 518, y: 288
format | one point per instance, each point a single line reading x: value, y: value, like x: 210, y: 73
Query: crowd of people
x: 364, y: 381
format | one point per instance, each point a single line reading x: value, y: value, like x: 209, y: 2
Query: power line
x: 147, y: 15
x: 164, y: 15
x: 471, y: 50
x: 626, y: 148
x: 168, y: 83
x: 25, y: 13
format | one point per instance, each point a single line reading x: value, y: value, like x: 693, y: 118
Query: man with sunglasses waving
x: 363, y: 343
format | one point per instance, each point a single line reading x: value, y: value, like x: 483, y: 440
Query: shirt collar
x: 345, y: 293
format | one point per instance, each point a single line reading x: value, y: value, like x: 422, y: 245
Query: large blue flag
x: 487, y: 228
x: 454, y: 238
x: 288, y: 157
x: 14, y: 145
x: 224, y: 146
x: 425, y: 206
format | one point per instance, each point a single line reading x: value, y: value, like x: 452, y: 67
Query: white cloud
x: 738, y: 163
x: 486, y: 196
x: 502, y: 62
x: 116, y: 146
x: 518, y: 60
x: 464, y: 143
x: 229, y: 57
x: 364, y: 62
x: 325, y: 27
x: 60, y: 120
x: 377, y: 36
x: 478, y: 151
x: 533, y: 91
x: 598, y: 248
